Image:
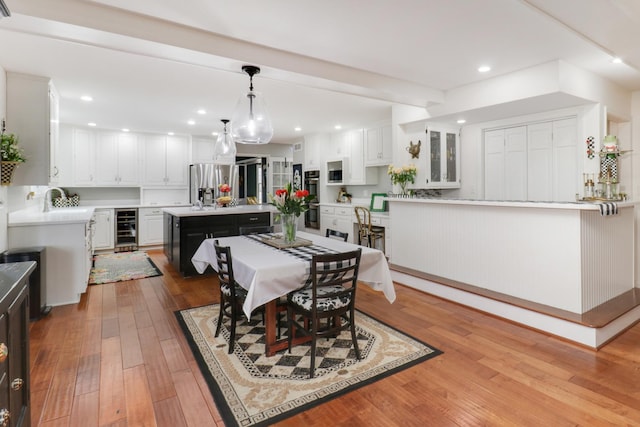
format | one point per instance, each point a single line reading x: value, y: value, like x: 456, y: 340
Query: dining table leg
x: 272, y: 344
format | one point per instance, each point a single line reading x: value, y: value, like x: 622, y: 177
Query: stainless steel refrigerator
x: 205, y: 180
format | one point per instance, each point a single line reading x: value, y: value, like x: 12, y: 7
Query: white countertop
x: 55, y: 216
x: 512, y: 204
x: 206, y: 211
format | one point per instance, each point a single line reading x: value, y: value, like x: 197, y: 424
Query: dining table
x: 270, y: 272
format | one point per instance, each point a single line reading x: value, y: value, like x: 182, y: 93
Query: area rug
x: 251, y: 389
x: 117, y: 267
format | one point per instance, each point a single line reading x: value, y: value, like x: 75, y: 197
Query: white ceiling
x: 150, y: 64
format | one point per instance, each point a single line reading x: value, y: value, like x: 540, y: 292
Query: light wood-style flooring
x: 118, y: 358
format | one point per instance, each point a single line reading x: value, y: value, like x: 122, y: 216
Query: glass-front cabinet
x: 443, y: 161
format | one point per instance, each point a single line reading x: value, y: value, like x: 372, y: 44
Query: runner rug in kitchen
x: 121, y: 266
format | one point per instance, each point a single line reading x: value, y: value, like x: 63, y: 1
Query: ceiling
x: 151, y: 64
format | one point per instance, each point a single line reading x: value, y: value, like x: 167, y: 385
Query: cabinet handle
x: 4, y: 352
x: 17, y: 384
x: 5, y: 417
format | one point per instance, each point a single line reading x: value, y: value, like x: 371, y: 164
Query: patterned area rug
x: 117, y: 267
x: 251, y: 389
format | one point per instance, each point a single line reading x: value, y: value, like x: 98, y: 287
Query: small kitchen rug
x: 251, y: 389
x: 121, y: 266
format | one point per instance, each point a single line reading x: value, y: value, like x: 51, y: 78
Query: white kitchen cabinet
x: 103, y: 234
x: 83, y: 157
x: 166, y: 160
x: 69, y: 254
x: 117, y: 155
x: 312, y: 149
x: 439, y: 162
x: 29, y: 101
x: 359, y: 174
x: 378, y: 146
x: 150, y: 225
x: 506, y: 164
x: 202, y: 149
x: 338, y: 218
x: 54, y: 136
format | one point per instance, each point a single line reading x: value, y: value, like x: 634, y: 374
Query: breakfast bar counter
x: 568, y: 257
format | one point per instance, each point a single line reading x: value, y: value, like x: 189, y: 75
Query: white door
x: 565, y: 169
x: 494, y: 176
x: 515, y: 163
x: 107, y: 159
x: 540, y: 162
x: 104, y: 230
x: 83, y: 157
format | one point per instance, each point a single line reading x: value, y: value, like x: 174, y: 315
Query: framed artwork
x: 378, y: 204
x: 297, y: 176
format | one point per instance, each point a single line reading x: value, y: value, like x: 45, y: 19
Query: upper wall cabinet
x: 166, y: 160
x: 359, y: 174
x: 312, y: 147
x: 84, y: 154
x: 505, y: 164
x: 118, y: 159
x: 439, y: 161
x: 378, y: 146
x: 29, y: 117
x: 202, y: 149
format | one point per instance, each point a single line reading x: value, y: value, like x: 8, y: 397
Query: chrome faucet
x: 47, y: 198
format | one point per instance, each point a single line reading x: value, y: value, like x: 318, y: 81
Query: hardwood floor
x: 118, y: 358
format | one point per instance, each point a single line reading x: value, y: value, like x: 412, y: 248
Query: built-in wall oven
x: 311, y: 184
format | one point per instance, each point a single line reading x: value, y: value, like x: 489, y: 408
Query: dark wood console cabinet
x: 14, y: 342
x: 183, y: 235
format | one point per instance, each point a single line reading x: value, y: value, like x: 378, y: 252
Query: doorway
x: 252, y: 178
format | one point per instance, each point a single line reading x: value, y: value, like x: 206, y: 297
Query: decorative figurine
x: 414, y: 150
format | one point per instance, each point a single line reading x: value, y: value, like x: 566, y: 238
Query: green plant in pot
x: 11, y: 155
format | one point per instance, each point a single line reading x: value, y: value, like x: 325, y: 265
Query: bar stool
x: 367, y: 232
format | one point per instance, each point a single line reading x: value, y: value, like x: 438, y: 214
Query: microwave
x: 335, y: 175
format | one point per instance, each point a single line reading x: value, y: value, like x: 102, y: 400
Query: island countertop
x: 187, y: 211
x: 578, y: 205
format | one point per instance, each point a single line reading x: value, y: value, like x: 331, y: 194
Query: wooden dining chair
x: 328, y: 305
x: 231, y: 294
x: 368, y: 233
x: 255, y: 229
x: 337, y: 234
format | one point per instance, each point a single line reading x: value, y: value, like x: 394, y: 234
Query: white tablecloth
x: 268, y: 273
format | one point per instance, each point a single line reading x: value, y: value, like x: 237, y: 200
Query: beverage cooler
x: 126, y: 238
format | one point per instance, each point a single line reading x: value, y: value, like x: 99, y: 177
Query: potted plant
x: 11, y: 155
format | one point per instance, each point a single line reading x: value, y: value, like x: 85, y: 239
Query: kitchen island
x: 532, y: 262
x: 185, y: 228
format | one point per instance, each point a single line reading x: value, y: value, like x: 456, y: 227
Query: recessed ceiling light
x: 617, y: 60
x: 338, y: 127
x: 214, y: 133
x: 202, y: 111
x: 191, y: 122
x: 297, y: 128
x: 170, y: 133
x: 87, y: 98
x: 91, y: 124
x: 484, y: 69
x: 125, y: 130
x: 461, y: 121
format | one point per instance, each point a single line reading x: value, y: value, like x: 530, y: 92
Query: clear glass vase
x: 289, y: 227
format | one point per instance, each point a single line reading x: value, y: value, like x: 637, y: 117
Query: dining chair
x: 231, y: 294
x: 337, y: 234
x: 255, y: 229
x: 367, y: 232
x: 328, y: 305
